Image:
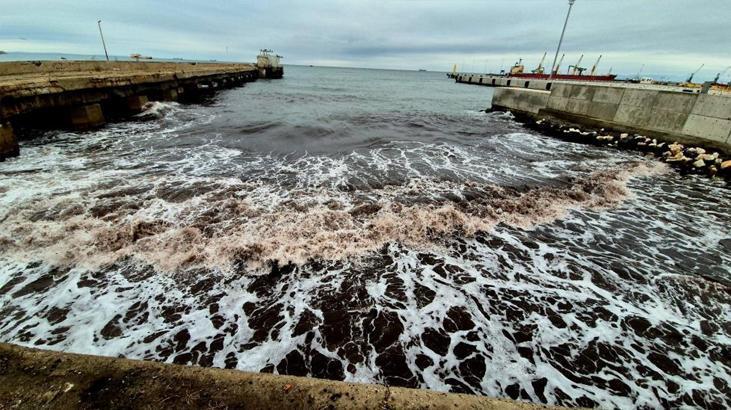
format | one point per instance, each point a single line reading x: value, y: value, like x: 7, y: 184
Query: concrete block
x: 561, y: 90
x: 534, y: 101
x: 582, y: 92
x: 674, y: 101
x: 639, y: 98
x: 603, y: 111
x: 633, y: 115
x: 87, y: 116
x: 717, y: 106
x: 666, y: 120
x: 557, y: 103
x: 609, y: 95
x: 8, y: 143
x: 578, y: 106
x: 520, y: 99
x: 711, y: 128
x: 538, y: 85
x: 136, y: 102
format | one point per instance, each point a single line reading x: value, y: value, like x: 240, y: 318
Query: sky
x: 671, y: 38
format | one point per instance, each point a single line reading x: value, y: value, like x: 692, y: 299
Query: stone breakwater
x: 685, y: 158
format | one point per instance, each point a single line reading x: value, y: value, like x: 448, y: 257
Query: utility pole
x: 558, y: 49
x: 99, y: 23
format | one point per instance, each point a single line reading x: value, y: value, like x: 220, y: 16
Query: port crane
x: 577, y: 70
x: 593, y: 68
x: 555, y: 70
x: 718, y: 76
x: 690, y: 79
x: 539, y: 69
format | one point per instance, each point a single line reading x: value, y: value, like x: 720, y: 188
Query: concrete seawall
x: 84, y: 94
x: 34, y: 379
x: 668, y: 115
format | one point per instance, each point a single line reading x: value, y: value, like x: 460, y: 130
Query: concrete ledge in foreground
x: 36, y: 379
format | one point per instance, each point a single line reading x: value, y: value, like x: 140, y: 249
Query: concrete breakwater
x: 665, y: 113
x: 85, y: 94
x: 31, y: 379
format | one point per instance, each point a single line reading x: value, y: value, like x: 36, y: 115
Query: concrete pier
x: 85, y: 117
x: 135, y: 103
x: 170, y: 94
x: 8, y: 142
x: 84, y: 94
x: 663, y: 113
x: 35, y: 379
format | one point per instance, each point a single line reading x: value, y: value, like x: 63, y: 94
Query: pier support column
x: 171, y: 94
x: 87, y: 116
x: 136, y: 102
x: 8, y: 142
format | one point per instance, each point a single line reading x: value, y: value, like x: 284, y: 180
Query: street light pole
x: 99, y: 23
x: 553, y: 66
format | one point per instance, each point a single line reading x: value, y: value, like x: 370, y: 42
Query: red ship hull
x: 608, y: 77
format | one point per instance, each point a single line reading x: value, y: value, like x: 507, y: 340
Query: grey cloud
x: 671, y: 35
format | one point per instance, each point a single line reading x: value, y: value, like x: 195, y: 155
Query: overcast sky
x: 669, y: 36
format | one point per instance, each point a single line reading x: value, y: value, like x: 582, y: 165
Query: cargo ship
x: 575, y: 72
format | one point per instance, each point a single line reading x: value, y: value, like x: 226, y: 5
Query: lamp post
x: 553, y: 66
x: 99, y: 23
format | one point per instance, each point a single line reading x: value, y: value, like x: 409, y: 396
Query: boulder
x: 675, y: 148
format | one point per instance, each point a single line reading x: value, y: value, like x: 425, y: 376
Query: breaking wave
x: 204, y: 222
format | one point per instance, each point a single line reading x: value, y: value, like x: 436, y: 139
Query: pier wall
x: 85, y: 94
x: 668, y: 115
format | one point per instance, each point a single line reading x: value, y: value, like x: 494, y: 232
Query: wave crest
x: 224, y: 228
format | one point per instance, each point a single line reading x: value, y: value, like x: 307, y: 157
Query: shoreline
x: 687, y: 159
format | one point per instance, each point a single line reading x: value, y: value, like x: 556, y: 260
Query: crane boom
x: 559, y: 63
x: 690, y: 79
x: 539, y: 69
x: 718, y: 76
x: 578, y: 64
x: 593, y: 69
